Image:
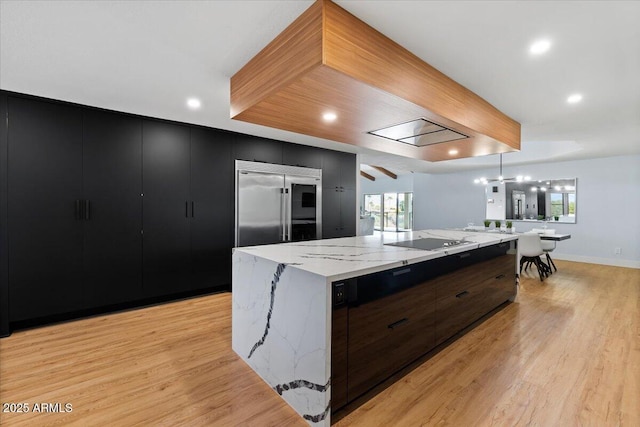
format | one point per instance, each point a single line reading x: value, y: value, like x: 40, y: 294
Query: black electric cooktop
x: 428, y: 244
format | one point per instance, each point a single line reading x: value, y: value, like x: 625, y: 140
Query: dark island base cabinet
x: 394, y: 317
x: 389, y: 333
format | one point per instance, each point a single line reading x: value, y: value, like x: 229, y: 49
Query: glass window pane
x: 405, y: 211
x: 557, y: 206
x: 390, y: 206
x: 572, y: 204
x: 373, y: 207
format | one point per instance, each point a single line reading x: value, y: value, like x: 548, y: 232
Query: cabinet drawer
x: 456, y: 311
x: 387, y: 334
x: 466, y: 295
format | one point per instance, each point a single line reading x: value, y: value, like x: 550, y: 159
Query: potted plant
x: 487, y: 224
x: 498, y: 224
x: 509, y: 226
x: 556, y: 218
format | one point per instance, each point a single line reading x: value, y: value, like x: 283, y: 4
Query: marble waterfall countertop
x: 343, y: 258
x: 282, y: 305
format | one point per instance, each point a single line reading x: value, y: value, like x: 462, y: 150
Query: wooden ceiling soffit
x: 385, y: 171
x: 366, y: 175
x: 328, y: 60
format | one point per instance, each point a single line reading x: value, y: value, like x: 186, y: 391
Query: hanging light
x: 501, y: 179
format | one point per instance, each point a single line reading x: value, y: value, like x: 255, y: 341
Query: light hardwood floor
x: 566, y: 353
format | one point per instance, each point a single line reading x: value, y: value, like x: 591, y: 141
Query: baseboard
x: 114, y: 308
x: 597, y: 260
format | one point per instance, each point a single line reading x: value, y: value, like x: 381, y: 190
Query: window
x: 373, y: 207
x: 557, y: 205
x: 563, y: 204
x: 390, y: 211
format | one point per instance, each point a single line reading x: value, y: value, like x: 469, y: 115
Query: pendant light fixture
x: 501, y: 179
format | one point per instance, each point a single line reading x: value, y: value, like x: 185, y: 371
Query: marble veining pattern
x: 274, y: 283
x: 281, y: 319
x: 338, y: 259
x: 280, y: 327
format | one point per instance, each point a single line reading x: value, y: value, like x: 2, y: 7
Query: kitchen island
x: 323, y: 321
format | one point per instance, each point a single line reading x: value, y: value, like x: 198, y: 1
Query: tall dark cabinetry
x: 112, y: 186
x: 339, y: 194
x: 4, y: 278
x: 44, y: 222
x: 187, y: 222
x: 212, y: 209
x: 166, y: 237
x: 74, y: 208
x: 101, y: 210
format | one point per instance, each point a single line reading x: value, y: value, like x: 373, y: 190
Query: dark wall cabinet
x: 44, y: 221
x: 256, y: 149
x: 4, y: 265
x: 212, y: 201
x: 102, y: 209
x: 112, y: 186
x: 74, y: 208
x: 301, y: 155
x: 187, y: 223
x: 338, y: 194
x: 167, y: 207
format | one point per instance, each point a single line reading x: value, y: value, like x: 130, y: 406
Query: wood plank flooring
x: 566, y: 353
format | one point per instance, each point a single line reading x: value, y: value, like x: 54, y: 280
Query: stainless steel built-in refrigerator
x: 277, y: 203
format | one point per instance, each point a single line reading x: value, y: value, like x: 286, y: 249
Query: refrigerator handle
x: 283, y: 236
x: 287, y: 220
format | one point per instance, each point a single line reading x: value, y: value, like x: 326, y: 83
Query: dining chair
x: 547, y: 246
x: 530, y: 248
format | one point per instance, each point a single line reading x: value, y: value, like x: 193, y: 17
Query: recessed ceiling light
x: 453, y: 152
x: 541, y: 46
x: 329, y: 117
x: 576, y: 97
x: 193, y: 103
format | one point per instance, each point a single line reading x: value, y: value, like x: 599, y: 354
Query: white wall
x: 403, y: 184
x: 608, y: 206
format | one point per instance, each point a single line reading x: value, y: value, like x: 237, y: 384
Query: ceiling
x: 147, y: 57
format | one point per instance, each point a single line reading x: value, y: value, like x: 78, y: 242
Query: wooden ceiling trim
x: 385, y: 171
x: 293, y: 53
x: 353, y: 47
x: 366, y: 175
x: 335, y: 62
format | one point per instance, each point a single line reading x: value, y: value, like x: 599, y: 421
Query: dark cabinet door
x: 4, y: 278
x: 166, y: 210
x: 45, y: 233
x: 112, y: 180
x: 348, y: 169
x: 330, y: 213
x: 338, y: 170
x: 302, y: 155
x: 347, y: 212
x: 212, y: 215
x: 338, y: 213
x: 255, y: 149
